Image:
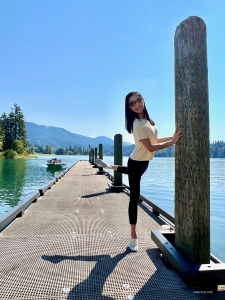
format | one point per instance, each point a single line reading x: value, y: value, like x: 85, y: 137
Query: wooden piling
x: 100, y: 151
x: 118, y: 158
x: 192, y: 173
x: 96, y: 153
x: 92, y: 156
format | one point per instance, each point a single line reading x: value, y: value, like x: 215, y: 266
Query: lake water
x: 21, y: 177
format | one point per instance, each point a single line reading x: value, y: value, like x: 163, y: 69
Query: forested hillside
x: 56, y: 137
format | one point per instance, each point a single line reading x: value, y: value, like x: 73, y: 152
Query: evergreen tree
x: 8, y: 131
x: 49, y: 149
x: 1, y: 133
x: 14, y: 131
x: 60, y: 151
x: 20, y: 134
x: 221, y: 153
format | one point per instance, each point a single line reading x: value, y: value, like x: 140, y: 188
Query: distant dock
x: 72, y: 243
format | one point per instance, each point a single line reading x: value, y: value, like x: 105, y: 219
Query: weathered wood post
x: 100, y: 151
x: 118, y: 158
x: 95, y: 157
x: 192, y: 159
x: 92, y: 156
x: 101, y: 155
x: 117, y: 185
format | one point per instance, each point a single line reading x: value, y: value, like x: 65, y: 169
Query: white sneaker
x: 133, y: 245
x: 99, y: 162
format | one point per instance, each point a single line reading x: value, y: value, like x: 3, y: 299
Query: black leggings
x: 135, y: 169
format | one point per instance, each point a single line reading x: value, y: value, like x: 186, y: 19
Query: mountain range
x: 56, y: 137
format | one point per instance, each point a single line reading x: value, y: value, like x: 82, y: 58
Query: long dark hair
x: 130, y: 116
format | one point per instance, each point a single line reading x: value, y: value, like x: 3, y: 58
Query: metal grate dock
x: 73, y: 244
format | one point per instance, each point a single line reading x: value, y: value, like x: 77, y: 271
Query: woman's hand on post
x: 177, y: 135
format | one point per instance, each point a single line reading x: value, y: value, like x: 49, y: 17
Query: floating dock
x: 73, y: 244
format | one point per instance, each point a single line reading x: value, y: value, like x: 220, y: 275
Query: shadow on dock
x: 93, y: 285
x: 94, y: 195
x: 105, y: 265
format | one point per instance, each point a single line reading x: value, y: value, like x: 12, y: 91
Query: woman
x: 145, y: 133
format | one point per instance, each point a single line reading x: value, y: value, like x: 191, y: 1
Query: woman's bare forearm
x: 160, y: 146
x: 165, y: 139
x: 163, y: 145
x: 155, y: 147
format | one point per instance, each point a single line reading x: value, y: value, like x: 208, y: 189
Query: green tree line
x: 76, y: 150
x: 217, y: 150
x: 13, y: 135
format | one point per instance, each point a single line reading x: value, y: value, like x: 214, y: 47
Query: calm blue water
x: 20, y: 178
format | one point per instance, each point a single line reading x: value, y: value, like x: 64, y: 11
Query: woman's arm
x: 166, y: 139
x: 156, y: 147
x: 164, y: 145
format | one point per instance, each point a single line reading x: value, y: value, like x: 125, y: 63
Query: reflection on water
x: 12, y: 180
x: 54, y: 170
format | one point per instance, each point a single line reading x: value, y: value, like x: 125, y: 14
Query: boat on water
x: 56, y: 163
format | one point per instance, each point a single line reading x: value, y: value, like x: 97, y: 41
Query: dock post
x: 192, y: 152
x: 92, y: 156
x: 117, y: 185
x: 95, y: 166
x: 191, y: 240
x: 100, y: 169
x: 118, y: 159
x: 89, y: 156
x: 100, y: 151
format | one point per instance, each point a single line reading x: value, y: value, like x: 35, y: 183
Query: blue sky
x: 70, y: 63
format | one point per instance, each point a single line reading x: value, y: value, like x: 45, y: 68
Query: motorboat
x: 55, y: 162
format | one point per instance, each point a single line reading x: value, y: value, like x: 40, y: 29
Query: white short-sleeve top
x: 143, y: 129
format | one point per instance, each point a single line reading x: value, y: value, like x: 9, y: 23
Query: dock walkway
x: 73, y: 244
